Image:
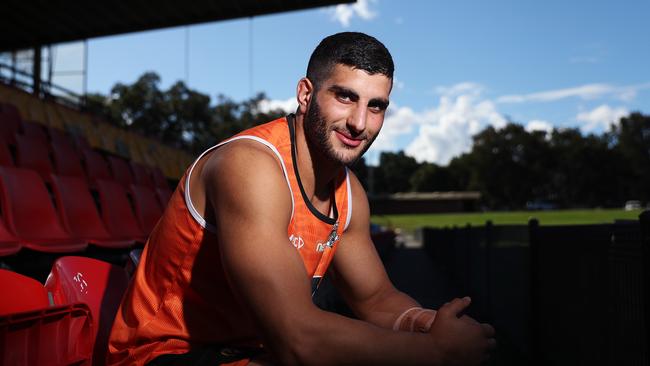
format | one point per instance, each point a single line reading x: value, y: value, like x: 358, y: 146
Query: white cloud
x: 288, y: 105
x: 398, y: 84
x: 600, y: 118
x: 344, y: 13
x: 445, y: 131
x: 539, y: 125
x: 588, y: 91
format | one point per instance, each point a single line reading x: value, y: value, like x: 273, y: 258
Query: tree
x: 394, y: 173
x: 632, y: 142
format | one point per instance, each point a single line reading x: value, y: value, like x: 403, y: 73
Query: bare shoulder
x: 245, y: 174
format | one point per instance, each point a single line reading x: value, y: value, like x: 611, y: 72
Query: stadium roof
x: 26, y: 24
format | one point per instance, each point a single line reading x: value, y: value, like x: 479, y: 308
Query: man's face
x: 346, y: 113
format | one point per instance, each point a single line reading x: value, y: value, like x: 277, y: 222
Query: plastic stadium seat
x: 59, y: 335
x: 147, y: 207
x: 163, y: 194
x: 159, y: 179
x: 59, y: 136
x: 21, y: 293
x: 116, y: 211
x: 141, y: 174
x: 66, y: 160
x: 5, y: 154
x: 33, y: 154
x: 96, y: 167
x: 121, y: 171
x: 96, y: 283
x: 79, y: 214
x: 9, y: 244
x: 30, y: 215
x: 35, y: 130
x: 10, y: 122
x: 10, y: 116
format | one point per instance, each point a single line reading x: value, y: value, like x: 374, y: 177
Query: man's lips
x: 348, y: 140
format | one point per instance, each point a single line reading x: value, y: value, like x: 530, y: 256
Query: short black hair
x: 354, y: 49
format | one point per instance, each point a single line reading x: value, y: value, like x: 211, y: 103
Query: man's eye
x: 344, y: 98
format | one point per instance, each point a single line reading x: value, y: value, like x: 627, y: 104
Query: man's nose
x: 357, y: 120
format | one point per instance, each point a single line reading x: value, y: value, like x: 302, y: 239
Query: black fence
x: 557, y: 295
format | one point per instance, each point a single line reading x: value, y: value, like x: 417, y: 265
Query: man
x: 229, y: 272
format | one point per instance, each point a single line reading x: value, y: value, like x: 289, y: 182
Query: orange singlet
x: 180, y: 298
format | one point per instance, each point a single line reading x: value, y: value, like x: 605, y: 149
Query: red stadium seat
x: 5, y: 154
x: 159, y: 179
x: 147, y: 207
x: 21, y: 293
x: 10, y: 122
x: 30, y: 215
x: 93, y: 282
x: 121, y: 171
x: 96, y: 167
x: 9, y: 244
x: 33, y: 154
x: 66, y: 160
x: 60, y: 335
x: 35, y: 130
x: 79, y: 214
x: 141, y: 174
x: 163, y: 194
x: 59, y: 136
x: 117, y: 213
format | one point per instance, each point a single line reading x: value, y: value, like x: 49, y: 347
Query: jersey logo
x: 296, y: 241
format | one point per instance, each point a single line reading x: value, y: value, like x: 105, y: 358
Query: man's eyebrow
x: 341, y: 90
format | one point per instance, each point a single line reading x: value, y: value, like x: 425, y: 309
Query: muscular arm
x: 358, y: 272
x: 252, y: 203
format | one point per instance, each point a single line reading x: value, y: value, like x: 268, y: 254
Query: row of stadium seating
x: 53, y: 201
x: 67, y: 321
x: 96, y: 132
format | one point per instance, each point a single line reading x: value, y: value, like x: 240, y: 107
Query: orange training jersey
x: 179, y: 296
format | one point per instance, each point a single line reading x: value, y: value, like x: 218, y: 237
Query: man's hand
x: 461, y: 339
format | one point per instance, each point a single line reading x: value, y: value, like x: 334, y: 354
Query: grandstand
x: 78, y: 196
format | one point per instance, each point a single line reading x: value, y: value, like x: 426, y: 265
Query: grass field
x: 558, y: 217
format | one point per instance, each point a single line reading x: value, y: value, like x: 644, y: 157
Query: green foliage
x: 509, y: 166
x: 179, y: 116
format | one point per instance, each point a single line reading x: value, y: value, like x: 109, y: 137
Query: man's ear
x: 304, y: 92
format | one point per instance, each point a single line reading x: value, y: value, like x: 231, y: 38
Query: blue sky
x: 460, y: 65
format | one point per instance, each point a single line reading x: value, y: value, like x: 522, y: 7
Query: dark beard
x: 316, y: 132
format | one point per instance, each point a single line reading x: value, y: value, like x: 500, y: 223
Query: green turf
x: 558, y: 217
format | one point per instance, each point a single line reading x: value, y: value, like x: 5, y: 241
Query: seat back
x: 147, y: 208
x: 9, y: 244
x: 66, y: 160
x: 159, y: 179
x: 121, y: 171
x: 10, y: 122
x: 116, y: 211
x: 98, y: 284
x: 30, y: 214
x: 31, y: 153
x: 141, y: 174
x: 77, y: 208
x: 21, y: 293
x: 5, y: 154
x: 96, y: 167
x: 60, y: 335
x: 35, y: 130
x: 163, y: 194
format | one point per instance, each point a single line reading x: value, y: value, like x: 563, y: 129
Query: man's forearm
x: 385, y: 308
x: 334, y: 339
